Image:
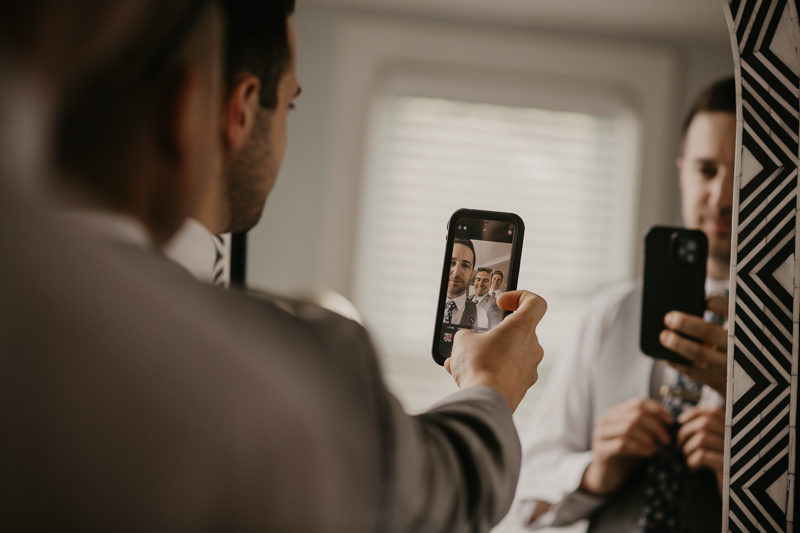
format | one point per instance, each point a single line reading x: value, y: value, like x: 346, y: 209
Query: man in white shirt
x: 601, y: 417
x: 484, y: 298
x: 497, y: 282
x: 459, y: 309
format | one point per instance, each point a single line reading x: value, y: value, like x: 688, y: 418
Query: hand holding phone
x: 674, y: 280
x: 506, y: 358
x: 481, y: 262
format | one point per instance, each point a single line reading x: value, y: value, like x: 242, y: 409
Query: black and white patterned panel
x: 762, y: 351
x: 221, y: 275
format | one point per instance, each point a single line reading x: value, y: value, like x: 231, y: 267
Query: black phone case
x: 670, y: 285
x: 511, y: 284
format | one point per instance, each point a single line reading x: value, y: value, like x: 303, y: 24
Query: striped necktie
x: 449, y: 310
x: 666, y: 469
x: 220, y: 272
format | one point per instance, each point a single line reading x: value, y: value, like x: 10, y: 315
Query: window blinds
x: 568, y: 175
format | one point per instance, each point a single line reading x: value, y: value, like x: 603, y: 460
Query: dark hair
x: 258, y: 42
x: 497, y: 272
x: 720, y: 96
x: 101, y: 115
x: 485, y: 269
x: 468, y: 244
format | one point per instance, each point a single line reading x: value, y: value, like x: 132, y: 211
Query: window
x: 568, y: 174
x: 574, y: 136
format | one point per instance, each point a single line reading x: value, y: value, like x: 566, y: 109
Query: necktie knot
x: 449, y: 310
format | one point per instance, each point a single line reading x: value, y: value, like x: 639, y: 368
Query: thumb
x: 532, y: 306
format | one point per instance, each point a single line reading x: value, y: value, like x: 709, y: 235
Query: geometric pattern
x: 222, y: 262
x: 758, y: 491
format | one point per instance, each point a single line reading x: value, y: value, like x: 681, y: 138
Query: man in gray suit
x: 452, y: 468
x: 124, y: 405
x: 484, y: 299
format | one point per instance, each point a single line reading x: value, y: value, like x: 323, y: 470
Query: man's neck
x: 718, y: 270
x: 210, y: 212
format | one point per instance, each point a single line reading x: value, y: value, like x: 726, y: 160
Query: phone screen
x: 483, y: 265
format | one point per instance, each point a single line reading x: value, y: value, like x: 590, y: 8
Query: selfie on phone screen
x: 481, y: 268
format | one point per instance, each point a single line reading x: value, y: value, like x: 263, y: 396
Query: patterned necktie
x: 449, y: 310
x: 666, y: 469
x: 220, y: 262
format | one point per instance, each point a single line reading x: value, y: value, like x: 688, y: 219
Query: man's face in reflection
x: 706, y: 178
x: 482, y: 283
x: 460, y: 270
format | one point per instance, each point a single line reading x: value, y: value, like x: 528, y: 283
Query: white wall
x: 284, y: 248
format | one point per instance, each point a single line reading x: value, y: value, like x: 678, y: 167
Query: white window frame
x: 370, y: 48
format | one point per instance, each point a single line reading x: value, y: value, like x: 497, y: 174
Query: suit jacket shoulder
x: 452, y: 468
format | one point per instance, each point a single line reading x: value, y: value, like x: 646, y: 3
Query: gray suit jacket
x: 134, y: 399
x: 493, y: 311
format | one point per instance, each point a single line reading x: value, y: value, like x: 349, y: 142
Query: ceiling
x: 699, y: 20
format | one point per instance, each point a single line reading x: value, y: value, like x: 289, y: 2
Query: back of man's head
x: 257, y: 42
x: 130, y: 124
x: 57, y: 39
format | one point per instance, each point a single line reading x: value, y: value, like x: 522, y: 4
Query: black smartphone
x: 674, y: 280
x: 481, y: 261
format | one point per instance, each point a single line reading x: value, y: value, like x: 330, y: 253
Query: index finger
x: 655, y: 408
x: 696, y: 327
x: 526, y: 303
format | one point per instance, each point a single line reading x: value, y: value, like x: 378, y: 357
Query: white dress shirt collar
x: 716, y: 286
x: 460, y: 301
x: 102, y: 225
x: 193, y: 248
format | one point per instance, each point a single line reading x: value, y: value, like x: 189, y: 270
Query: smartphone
x: 481, y: 261
x: 674, y: 280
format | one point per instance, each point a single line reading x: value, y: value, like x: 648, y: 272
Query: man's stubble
x: 250, y: 177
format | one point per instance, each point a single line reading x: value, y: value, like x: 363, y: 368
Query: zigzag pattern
x: 764, y: 335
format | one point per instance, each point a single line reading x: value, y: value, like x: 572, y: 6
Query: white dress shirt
x: 601, y: 367
x: 193, y: 248
x: 482, y: 321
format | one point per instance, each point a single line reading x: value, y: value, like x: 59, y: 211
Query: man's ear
x: 240, y: 111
